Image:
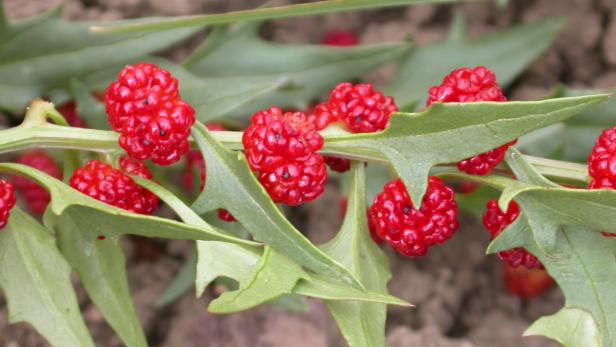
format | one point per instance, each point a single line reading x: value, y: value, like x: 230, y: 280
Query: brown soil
x: 459, y: 303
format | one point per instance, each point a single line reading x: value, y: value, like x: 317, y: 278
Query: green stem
x: 36, y: 132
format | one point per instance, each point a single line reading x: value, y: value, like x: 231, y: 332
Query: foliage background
x: 461, y: 304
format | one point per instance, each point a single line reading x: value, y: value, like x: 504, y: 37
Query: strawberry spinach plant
x: 236, y: 114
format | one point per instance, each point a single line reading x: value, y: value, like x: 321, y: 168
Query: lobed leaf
x: 36, y: 282
x: 447, y: 133
x: 361, y: 323
x: 571, y: 327
x: 231, y: 185
x: 96, y: 218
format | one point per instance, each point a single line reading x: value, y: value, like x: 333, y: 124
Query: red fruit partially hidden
x: 340, y: 38
x: 360, y: 107
x: 526, y: 283
x: 7, y: 201
x: 69, y: 111
x: 472, y: 85
x: 224, y: 215
x: 338, y: 164
x: 36, y: 197
x: 410, y: 231
x: 104, y: 183
x: 495, y: 221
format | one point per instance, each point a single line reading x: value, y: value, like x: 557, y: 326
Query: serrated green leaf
x: 36, y: 281
x: 506, y: 53
x: 583, y: 264
x: 447, y: 133
x: 101, y: 267
x: 361, y: 324
x: 571, y: 327
x: 231, y: 185
x: 295, y: 10
x: 39, y: 56
x: 274, y: 275
x: 306, y: 72
x: 96, y: 218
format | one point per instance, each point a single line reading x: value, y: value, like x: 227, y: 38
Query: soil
x: 459, y: 303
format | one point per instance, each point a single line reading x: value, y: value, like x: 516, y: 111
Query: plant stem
x: 36, y: 132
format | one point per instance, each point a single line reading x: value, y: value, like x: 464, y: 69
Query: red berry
x: 275, y: 137
x: 602, y: 160
x: 7, y: 201
x: 526, y: 283
x: 224, y: 215
x: 360, y: 107
x: 145, y: 107
x: 69, y: 111
x: 135, y: 167
x: 466, y: 187
x: 411, y: 231
x: 338, y: 164
x: 35, y: 196
x: 482, y: 164
x: 321, y: 116
x: 472, y: 85
x: 295, y: 181
x: 602, y: 183
x: 495, y: 221
x: 104, y: 183
x: 280, y: 147
x: 467, y: 85
x: 340, y: 38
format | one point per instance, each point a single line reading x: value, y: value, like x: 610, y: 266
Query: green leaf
x: 274, y: 275
x: 304, y: 9
x: 583, y: 265
x: 447, y: 133
x: 361, y: 324
x: 573, y: 139
x: 39, y: 56
x: 305, y: 71
x: 231, y: 185
x: 101, y: 267
x: 96, y: 218
x: 506, y: 53
x: 571, y: 327
x: 36, y: 281
x: 254, y: 272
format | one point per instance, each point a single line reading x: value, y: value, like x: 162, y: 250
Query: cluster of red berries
x: 411, y: 230
x: 195, y: 161
x: 114, y: 187
x: 35, y: 196
x: 7, y: 201
x: 145, y: 107
x: 495, y: 221
x: 602, y: 164
x: 472, y: 85
x: 281, y: 148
